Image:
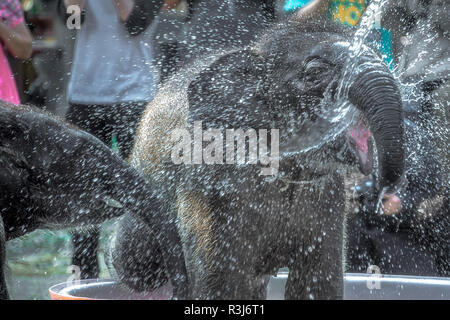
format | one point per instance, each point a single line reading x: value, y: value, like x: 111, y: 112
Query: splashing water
x: 336, y: 115
x: 357, y: 47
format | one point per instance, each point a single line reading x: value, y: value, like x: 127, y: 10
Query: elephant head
x: 294, y: 76
x: 53, y: 174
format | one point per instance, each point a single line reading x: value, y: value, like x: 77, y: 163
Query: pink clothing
x: 8, y: 89
x: 11, y: 12
x: 11, y: 15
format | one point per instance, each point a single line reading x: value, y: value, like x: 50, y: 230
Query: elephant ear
x: 225, y: 94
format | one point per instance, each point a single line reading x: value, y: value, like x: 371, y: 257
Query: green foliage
x: 40, y: 259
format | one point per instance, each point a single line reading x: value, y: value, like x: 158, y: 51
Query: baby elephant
x: 53, y: 174
x: 239, y: 224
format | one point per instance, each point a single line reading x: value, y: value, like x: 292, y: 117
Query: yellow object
x: 347, y: 11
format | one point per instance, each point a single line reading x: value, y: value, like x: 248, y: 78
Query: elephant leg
x: 85, y: 243
x: 3, y: 290
x: 317, y: 271
x: 228, y: 270
x: 319, y: 275
x: 259, y: 287
x: 218, y: 264
x: 234, y: 285
x: 85, y: 250
x: 227, y: 275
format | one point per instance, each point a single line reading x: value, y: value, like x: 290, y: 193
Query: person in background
x: 112, y: 80
x: 16, y: 39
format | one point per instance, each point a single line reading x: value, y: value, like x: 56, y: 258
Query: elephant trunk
x: 133, y: 192
x: 377, y: 95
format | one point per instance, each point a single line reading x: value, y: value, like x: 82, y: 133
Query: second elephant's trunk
x: 130, y: 189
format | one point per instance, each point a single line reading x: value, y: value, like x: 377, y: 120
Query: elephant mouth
x: 361, y: 142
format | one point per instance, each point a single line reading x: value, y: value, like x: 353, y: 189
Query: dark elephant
x: 54, y: 175
x: 238, y: 226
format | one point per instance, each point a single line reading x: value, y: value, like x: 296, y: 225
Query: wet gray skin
x: 55, y: 175
x: 237, y: 226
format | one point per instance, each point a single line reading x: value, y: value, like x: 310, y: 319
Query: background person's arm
x: 17, y: 39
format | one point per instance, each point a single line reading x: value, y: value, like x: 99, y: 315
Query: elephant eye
x: 314, y: 74
x: 316, y: 65
x: 315, y: 71
x: 315, y: 68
